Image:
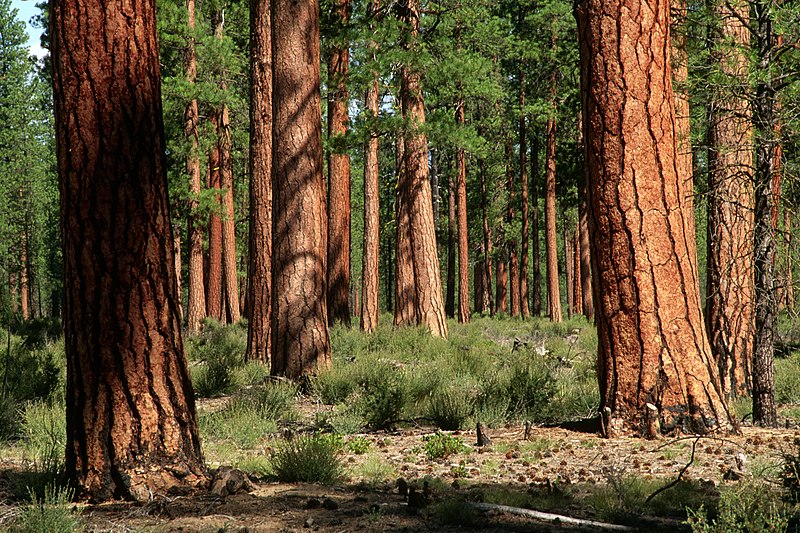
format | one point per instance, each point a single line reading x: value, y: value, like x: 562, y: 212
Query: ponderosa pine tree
x: 463, y: 229
x: 338, y: 170
x: 300, y: 339
x: 131, y: 422
x: 551, y: 244
x: 653, y: 348
x: 259, y: 271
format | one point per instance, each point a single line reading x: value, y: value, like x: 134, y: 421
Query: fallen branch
x: 550, y: 517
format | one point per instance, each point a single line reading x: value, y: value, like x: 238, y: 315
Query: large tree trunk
x: 523, y: 181
x: 729, y: 307
x: 214, y: 293
x: 653, y: 348
x: 764, y: 116
x: 131, y: 422
x: 488, y: 301
x: 463, y: 229
x: 300, y: 339
x: 372, y: 221
x: 259, y: 267
x: 551, y: 244
x: 197, y: 296
x: 416, y: 189
x: 405, y: 310
x: 338, y: 176
x: 537, y: 271
x: 450, y: 291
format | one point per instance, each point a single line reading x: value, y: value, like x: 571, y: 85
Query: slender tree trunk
x: 787, y: 236
x: 450, y: 294
x: 513, y: 252
x: 729, y: 307
x: 416, y: 188
x: 338, y: 176
x: 463, y: 230
x: 372, y: 220
x: 586, y: 263
x: 131, y: 422
x: 577, y: 287
x: 23, y: 276
x: 764, y: 105
x: 214, y: 271
x: 488, y: 301
x: 568, y: 267
x: 501, y: 285
x: 176, y: 235
x: 537, y: 271
x: 197, y: 295
x: 523, y: 180
x: 405, y: 312
x: 551, y: 245
x: 653, y: 348
x: 229, y: 269
x: 477, y: 280
x: 300, y: 339
x: 259, y: 267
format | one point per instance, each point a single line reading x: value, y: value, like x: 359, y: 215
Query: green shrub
x: 51, y: 513
x: 790, y: 474
x: 385, y: 395
x: 34, y: 372
x: 440, y: 445
x: 219, y: 350
x: 455, y: 512
x: 274, y: 400
x: 308, y: 459
x: 749, y: 507
x: 452, y: 406
x: 9, y: 418
x: 44, y: 438
x: 787, y: 379
x: 240, y: 422
x: 358, y: 444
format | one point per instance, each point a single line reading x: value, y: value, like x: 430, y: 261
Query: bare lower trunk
x: 229, y: 268
x: 586, y: 263
x: 653, y: 348
x: 551, y: 245
x: 488, y: 301
x: 405, y: 311
x: 535, y: 250
x: 577, y: 287
x: 569, y: 263
x: 463, y: 230
x: 214, y: 270
x: 370, y: 258
x: 523, y: 181
x: 450, y: 295
x: 501, y: 280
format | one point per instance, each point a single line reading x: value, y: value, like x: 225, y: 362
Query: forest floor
x: 565, y: 471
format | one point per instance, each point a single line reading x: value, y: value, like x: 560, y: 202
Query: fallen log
x: 550, y: 517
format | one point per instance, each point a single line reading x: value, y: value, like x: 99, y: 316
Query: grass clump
x: 750, y: 507
x: 358, y: 444
x: 50, y: 513
x: 218, y: 352
x: 440, y: 445
x: 452, y: 406
x: 308, y: 459
x: 455, y: 512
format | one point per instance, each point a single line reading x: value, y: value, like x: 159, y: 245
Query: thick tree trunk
x: 259, y: 267
x: 131, y: 422
x: 300, y: 339
x: 488, y: 301
x: 523, y: 182
x: 416, y: 188
x: 586, y: 262
x: 405, y: 311
x: 197, y: 295
x: 450, y: 292
x: 653, y: 348
x: 535, y: 251
x: 338, y: 176
x: 551, y: 244
x: 369, y: 262
x: 729, y: 307
x: 764, y: 105
x: 214, y: 270
x: 463, y: 229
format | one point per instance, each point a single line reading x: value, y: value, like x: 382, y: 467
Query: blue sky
x: 27, y: 9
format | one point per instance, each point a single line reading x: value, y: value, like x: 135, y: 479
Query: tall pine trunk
x: 338, y: 174
x: 551, y: 244
x: 131, y: 421
x: 197, y: 295
x: 729, y: 307
x: 488, y: 301
x: 535, y: 249
x: 300, y: 339
x: 229, y: 267
x: 523, y: 181
x: 452, y: 240
x: 463, y: 230
x: 586, y: 262
x: 405, y: 310
x: 653, y: 348
x: 214, y: 294
x: 511, y: 243
x: 259, y: 267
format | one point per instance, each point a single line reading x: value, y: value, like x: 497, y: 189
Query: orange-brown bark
x: 463, y: 229
x: 405, y: 311
x: 229, y: 273
x: 501, y: 287
x: 586, y: 263
x: 300, y: 339
x: 214, y: 294
x: 729, y: 307
x: 259, y: 268
x: 653, y: 348
x: 551, y: 245
x: 535, y: 249
x: 577, y: 287
x: 197, y: 295
x: 511, y: 244
x: 523, y: 181
x: 488, y: 301
x: 338, y: 177
x: 452, y: 238
x: 131, y: 422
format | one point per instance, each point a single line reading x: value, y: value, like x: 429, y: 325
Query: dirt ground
x: 552, y: 459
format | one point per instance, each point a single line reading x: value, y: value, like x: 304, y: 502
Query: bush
x: 308, y: 459
x: 51, y: 513
x: 441, y: 445
x: 35, y: 371
x: 9, y: 419
x: 385, y: 399
x: 240, y: 422
x: 452, y: 406
x: 220, y: 350
x: 790, y: 474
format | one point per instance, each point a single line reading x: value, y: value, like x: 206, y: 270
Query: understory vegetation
x: 336, y: 428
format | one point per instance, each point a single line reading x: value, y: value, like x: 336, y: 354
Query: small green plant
x: 309, y: 459
x: 790, y: 474
x: 748, y: 508
x: 358, y: 444
x: 440, y: 445
x: 374, y: 470
x: 52, y: 513
x: 240, y: 422
x: 455, y: 512
x: 460, y: 470
x: 44, y: 439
